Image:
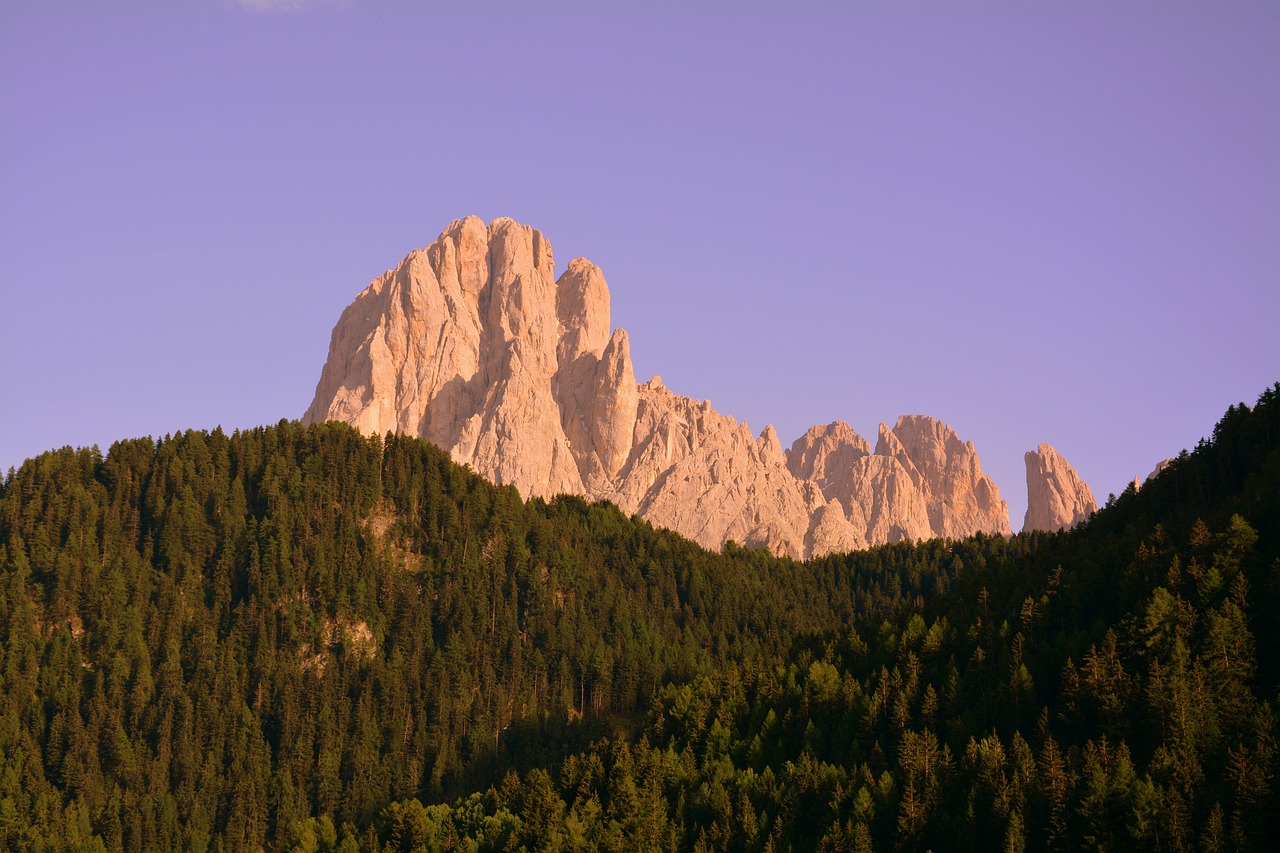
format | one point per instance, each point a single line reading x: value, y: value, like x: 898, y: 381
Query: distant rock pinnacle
x: 1056, y: 496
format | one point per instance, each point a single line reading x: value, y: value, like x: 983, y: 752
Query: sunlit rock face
x: 1160, y: 466
x: 474, y: 344
x: 1056, y: 496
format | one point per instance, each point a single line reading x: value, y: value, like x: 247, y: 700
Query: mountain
x: 1056, y: 496
x: 473, y: 344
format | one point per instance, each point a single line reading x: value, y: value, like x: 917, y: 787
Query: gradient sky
x: 1036, y: 221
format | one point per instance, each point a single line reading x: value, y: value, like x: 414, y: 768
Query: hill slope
x: 220, y: 642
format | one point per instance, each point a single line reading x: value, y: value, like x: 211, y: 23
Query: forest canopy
x: 305, y: 639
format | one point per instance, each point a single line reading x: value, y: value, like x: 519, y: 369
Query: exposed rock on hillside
x: 960, y: 498
x: 473, y: 343
x: 1056, y: 496
x: 1139, y: 482
x: 1160, y: 466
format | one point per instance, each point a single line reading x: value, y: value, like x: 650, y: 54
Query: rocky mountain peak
x: 770, y: 446
x: 826, y: 451
x: 582, y: 310
x: 1056, y: 496
x: 475, y: 344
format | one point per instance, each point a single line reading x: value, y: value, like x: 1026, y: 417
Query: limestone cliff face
x: 1056, y: 496
x: 961, y: 499
x: 460, y: 344
x: 705, y: 475
x: 474, y: 344
x: 921, y: 481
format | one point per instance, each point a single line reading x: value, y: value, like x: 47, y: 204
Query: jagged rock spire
x: 474, y: 344
x: 1056, y: 496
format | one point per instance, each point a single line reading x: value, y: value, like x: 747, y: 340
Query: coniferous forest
x: 302, y: 639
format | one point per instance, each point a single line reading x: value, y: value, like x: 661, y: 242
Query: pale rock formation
x: 582, y: 310
x: 770, y: 446
x: 704, y: 475
x: 921, y: 482
x: 834, y: 532
x: 474, y: 344
x: 1160, y: 466
x: 887, y: 494
x: 614, y: 404
x: 1056, y: 496
x: 961, y: 498
x: 1139, y: 482
x: 827, y: 454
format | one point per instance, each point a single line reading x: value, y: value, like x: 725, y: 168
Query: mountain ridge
x: 474, y: 344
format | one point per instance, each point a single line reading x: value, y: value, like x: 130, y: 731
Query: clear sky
x: 1036, y: 221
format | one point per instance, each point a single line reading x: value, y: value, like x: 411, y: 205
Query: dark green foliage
x: 303, y: 639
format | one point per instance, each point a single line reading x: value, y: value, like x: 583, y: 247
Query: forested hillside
x: 303, y: 639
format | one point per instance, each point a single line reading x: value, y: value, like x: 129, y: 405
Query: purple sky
x: 1036, y: 221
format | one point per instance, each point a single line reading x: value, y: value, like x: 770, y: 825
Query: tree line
x: 297, y: 638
